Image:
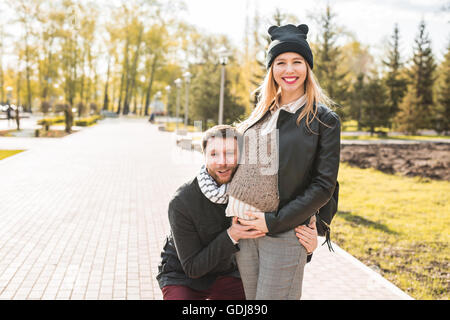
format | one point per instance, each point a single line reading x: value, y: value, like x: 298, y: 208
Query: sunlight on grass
x: 399, y: 224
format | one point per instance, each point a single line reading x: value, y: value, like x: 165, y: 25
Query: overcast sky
x: 371, y: 21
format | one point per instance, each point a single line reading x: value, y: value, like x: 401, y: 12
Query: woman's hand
x: 259, y: 223
x: 307, y: 235
x: 238, y: 231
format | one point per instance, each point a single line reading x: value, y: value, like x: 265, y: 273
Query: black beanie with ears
x: 289, y: 38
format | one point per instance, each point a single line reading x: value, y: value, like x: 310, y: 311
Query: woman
x: 288, y: 170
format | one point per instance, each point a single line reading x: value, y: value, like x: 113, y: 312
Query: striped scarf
x: 209, y: 187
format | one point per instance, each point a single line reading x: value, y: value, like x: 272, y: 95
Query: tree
x: 421, y: 77
x: 70, y: 52
x: 156, y: 46
x: 131, y: 79
x: 408, y: 119
x: 140, y: 55
x: 375, y: 108
x: 328, y: 56
x: 112, y: 41
x: 441, y: 116
x: 356, y: 100
x: 257, y: 65
x: 27, y: 12
x: 205, y: 84
x: 358, y: 61
x: 394, y: 81
x: 51, y: 19
x: 2, y: 73
x: 205, y: 97
x: 105, y: 95
x: 86, y: 85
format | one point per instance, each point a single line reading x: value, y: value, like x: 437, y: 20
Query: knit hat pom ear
x: 303, y: 28
x: 272, y: 29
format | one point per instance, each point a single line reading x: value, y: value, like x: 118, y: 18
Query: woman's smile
x: 290, y: 80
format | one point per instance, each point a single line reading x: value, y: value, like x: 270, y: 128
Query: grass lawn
x: 171, y: 126
x: 375, y: 137
x: 398, y: 225
x: 7, y: 153
x: 350, y: 125
x: 419, y: 137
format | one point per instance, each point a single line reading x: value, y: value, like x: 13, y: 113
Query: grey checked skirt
x: 272, y: 268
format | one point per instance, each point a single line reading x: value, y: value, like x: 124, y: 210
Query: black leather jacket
x: 308, y: 167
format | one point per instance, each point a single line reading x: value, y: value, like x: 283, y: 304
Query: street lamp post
x: 52, y: 98
x: 158, y: 96
x: 178, y: 85
x: 187, y: 80
x: 8, y: 95
x: 168, y: 88
x: 223, y: 59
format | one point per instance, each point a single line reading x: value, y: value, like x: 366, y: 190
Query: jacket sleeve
x: 323, y: 182
x: 196, y: 259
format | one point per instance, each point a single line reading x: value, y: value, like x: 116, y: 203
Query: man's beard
x: 222, y: 180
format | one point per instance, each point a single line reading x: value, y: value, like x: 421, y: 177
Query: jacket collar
x: 291, y: 107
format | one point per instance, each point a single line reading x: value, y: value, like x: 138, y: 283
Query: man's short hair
x: 221, y: 131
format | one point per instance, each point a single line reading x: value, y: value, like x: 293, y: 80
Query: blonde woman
x: 288, y: 168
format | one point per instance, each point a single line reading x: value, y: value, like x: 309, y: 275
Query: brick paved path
x: 84, y: 217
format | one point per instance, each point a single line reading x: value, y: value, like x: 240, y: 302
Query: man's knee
x: 181, y: 293
x: 227, y: 288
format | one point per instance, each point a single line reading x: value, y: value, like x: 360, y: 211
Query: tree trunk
x: 150, y: 84
x: 47, y: 77
x: 28, y: 77
x: 124, y: 75
x: 120, y: 92
x: 2, y: 75
x: 131, y: 82
x: 83, y: 63
x: 105, y: 99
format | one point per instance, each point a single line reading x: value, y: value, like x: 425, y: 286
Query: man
x: 198, y: 256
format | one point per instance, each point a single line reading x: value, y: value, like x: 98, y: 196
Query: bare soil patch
x: 428, y: 160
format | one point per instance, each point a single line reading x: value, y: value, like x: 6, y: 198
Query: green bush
x: 46, y: 122
x: 85, y: 122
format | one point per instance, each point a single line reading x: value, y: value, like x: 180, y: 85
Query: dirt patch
x: 428, y: 160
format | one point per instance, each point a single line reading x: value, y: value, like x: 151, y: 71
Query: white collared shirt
x: 291, y: 107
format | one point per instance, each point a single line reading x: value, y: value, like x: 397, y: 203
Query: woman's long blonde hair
x: 269, y: 92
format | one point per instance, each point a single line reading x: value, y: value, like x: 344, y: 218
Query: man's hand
x: 307, y: 235
x: 238, y: 231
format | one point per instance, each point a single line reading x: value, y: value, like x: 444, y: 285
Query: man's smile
x: 224, y: 172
